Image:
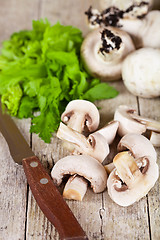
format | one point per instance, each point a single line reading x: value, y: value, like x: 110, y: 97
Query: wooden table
x: 99, y: 216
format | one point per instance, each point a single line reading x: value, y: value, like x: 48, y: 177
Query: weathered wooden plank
x: 13, y: 190
x: 150, y: 108
x: 122, y: 222
x: 14, y: 16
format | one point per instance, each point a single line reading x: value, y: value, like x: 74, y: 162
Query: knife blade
x: 43, y: 189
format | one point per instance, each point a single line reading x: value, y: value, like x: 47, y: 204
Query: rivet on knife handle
x: 50, y: 200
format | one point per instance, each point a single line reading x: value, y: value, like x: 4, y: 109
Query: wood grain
x: 20, y: 216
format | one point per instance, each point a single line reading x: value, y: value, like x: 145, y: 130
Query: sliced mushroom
x: 132, y: 179
x: 81, y: 114
x: 150, y: 124
x: 103, y: 51
x: 138, y: 145
x: 109, y: 167
x: 127, y: 124
x: 75, y: 188
x: 155, y: 139
x: 109, y: 131
x: 85, y: 166
x: 94, y: 145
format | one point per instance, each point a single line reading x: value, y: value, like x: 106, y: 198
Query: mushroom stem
x: 109, y: 167
x: 126, y: 167
x: 155, y: 139
x: 95, y: 145
x: 75, y: 188
x: 149, y: 123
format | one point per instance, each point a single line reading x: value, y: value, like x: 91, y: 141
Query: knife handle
x: 50, y: 200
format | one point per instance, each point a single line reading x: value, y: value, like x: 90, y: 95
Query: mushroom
x: 94, y: 145
x: 138, y: 145
x: 140, y: 24
x: 131, y: 122
x: 103, y: 51
x: 75, y: 188
x: 109, y: 131
x: 141, y: 72
x: 127, y: 124
x: 136, y: 170
x: 81, y: 115
x: 132, y: 178
x: 144, y: 31
x: 82, y: 165
x: 122, y: 5
x: 155, y: 139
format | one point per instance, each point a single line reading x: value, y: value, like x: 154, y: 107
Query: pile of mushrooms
x: 133, y: 171
x: 139, y: 67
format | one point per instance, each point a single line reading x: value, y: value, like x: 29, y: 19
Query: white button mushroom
x: 103, y: 51
x: 138, y: 145
x: 81, y: 114
x: 141, y: 72
x: 109, y: 131
x: 83, y: 117
x: 82, y: 165
x: 136, y: 171
x: 126, y: 122
x: 123, y: 5
x: 155, y: 139
x: 145, y: 32
x: 131, y: 122
x: 94, y: 145
x: 141, y: 25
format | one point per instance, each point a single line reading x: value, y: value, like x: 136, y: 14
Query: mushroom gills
x: 75, y: 188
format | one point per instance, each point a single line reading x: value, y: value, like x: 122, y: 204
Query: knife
x: 43, y: 189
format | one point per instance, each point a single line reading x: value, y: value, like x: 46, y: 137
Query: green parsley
x: 41, y: 71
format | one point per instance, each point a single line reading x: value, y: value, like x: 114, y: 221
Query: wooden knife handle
x: 50, y: 200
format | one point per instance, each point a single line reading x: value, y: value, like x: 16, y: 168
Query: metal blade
x: 18, y: 146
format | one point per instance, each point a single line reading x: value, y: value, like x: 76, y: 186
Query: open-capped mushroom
x: 81, y: 115
x: 82, y: 165
x: 126, y: 122
x: 132, y: 178
x: 103, y: 51
x: 94, y: 145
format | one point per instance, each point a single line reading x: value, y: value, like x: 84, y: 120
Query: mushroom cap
x: 106, y: 70
x: 123, y: 5
x: 141, y: 185
x: 126, y: 123
x: 83, y: 165
x: 81, y: 113
x: 141, y: 72
x: 138, y: 145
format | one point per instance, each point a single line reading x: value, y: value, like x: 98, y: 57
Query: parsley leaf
x: 41, y: 71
